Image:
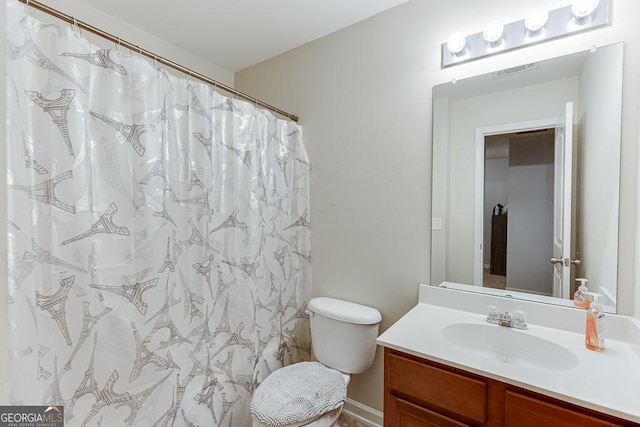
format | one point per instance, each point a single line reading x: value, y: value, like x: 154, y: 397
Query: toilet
x: 343, y: 338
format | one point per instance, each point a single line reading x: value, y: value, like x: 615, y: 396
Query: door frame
x: 478, y: 203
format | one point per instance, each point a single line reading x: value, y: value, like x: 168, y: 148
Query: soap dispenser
x: 594, y: 333
x: 580, y: 297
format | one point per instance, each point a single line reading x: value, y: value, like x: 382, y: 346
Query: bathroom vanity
x: 419, y: 392
x: 444, y: 365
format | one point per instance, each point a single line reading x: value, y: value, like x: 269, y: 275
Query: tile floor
x: 347, y: 421
x: 493, y: 281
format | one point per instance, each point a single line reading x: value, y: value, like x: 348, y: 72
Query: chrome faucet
x: 516, y: 319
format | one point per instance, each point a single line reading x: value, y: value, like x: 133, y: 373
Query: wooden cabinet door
x: 400, y: 413
x: 439, y: 388
x: 526, y: 411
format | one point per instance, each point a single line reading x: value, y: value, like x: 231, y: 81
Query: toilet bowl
x: 343, y: 338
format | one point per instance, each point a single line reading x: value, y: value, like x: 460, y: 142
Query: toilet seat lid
x: 298, y: 393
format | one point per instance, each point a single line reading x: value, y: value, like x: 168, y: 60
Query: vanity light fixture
x: 456, y: 44
x: 493, y: 33
x: 539, y: 25
x: 583, y: 9
x: 536, y: 19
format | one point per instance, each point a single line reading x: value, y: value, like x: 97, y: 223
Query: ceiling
x: 235, y: 34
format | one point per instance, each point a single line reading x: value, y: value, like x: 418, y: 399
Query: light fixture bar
x: 561, y: 23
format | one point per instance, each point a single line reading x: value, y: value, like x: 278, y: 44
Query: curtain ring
x: 76, y: 28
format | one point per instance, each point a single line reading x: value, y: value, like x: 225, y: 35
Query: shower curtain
x: 158, y: 237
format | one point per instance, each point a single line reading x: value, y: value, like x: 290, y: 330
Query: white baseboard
x: 363, y: 413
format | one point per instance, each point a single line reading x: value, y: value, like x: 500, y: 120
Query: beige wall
x: 363, y: 95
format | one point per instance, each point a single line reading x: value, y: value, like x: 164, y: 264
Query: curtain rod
x: 134, y: 48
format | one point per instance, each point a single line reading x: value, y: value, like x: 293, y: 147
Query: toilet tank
x: 343, y: 334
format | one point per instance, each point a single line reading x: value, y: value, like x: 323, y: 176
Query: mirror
x: 526, y: 171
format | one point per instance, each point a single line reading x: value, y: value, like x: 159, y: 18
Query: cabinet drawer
x: 439, y: 388
x: 406, y: 414
x: 524, y: 411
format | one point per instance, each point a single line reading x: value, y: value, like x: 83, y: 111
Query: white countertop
x: 607, y: 381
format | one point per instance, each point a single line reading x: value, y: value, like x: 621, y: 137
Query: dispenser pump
x: 595, y: 303
x: 594, y: 332
x: 583, y: 284
x: 580, y: 298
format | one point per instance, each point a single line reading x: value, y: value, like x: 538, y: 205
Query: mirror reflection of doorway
x: 518, y: 210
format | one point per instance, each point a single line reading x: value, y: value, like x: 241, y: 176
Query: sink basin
x: 509, y: 345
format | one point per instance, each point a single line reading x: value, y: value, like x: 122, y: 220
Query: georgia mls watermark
x: 31, y: 416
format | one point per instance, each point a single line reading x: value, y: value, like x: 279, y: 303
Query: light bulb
x: 456, y: 43
x: 493, y: 33
x: 536, y: 19
x: 582, y: 9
